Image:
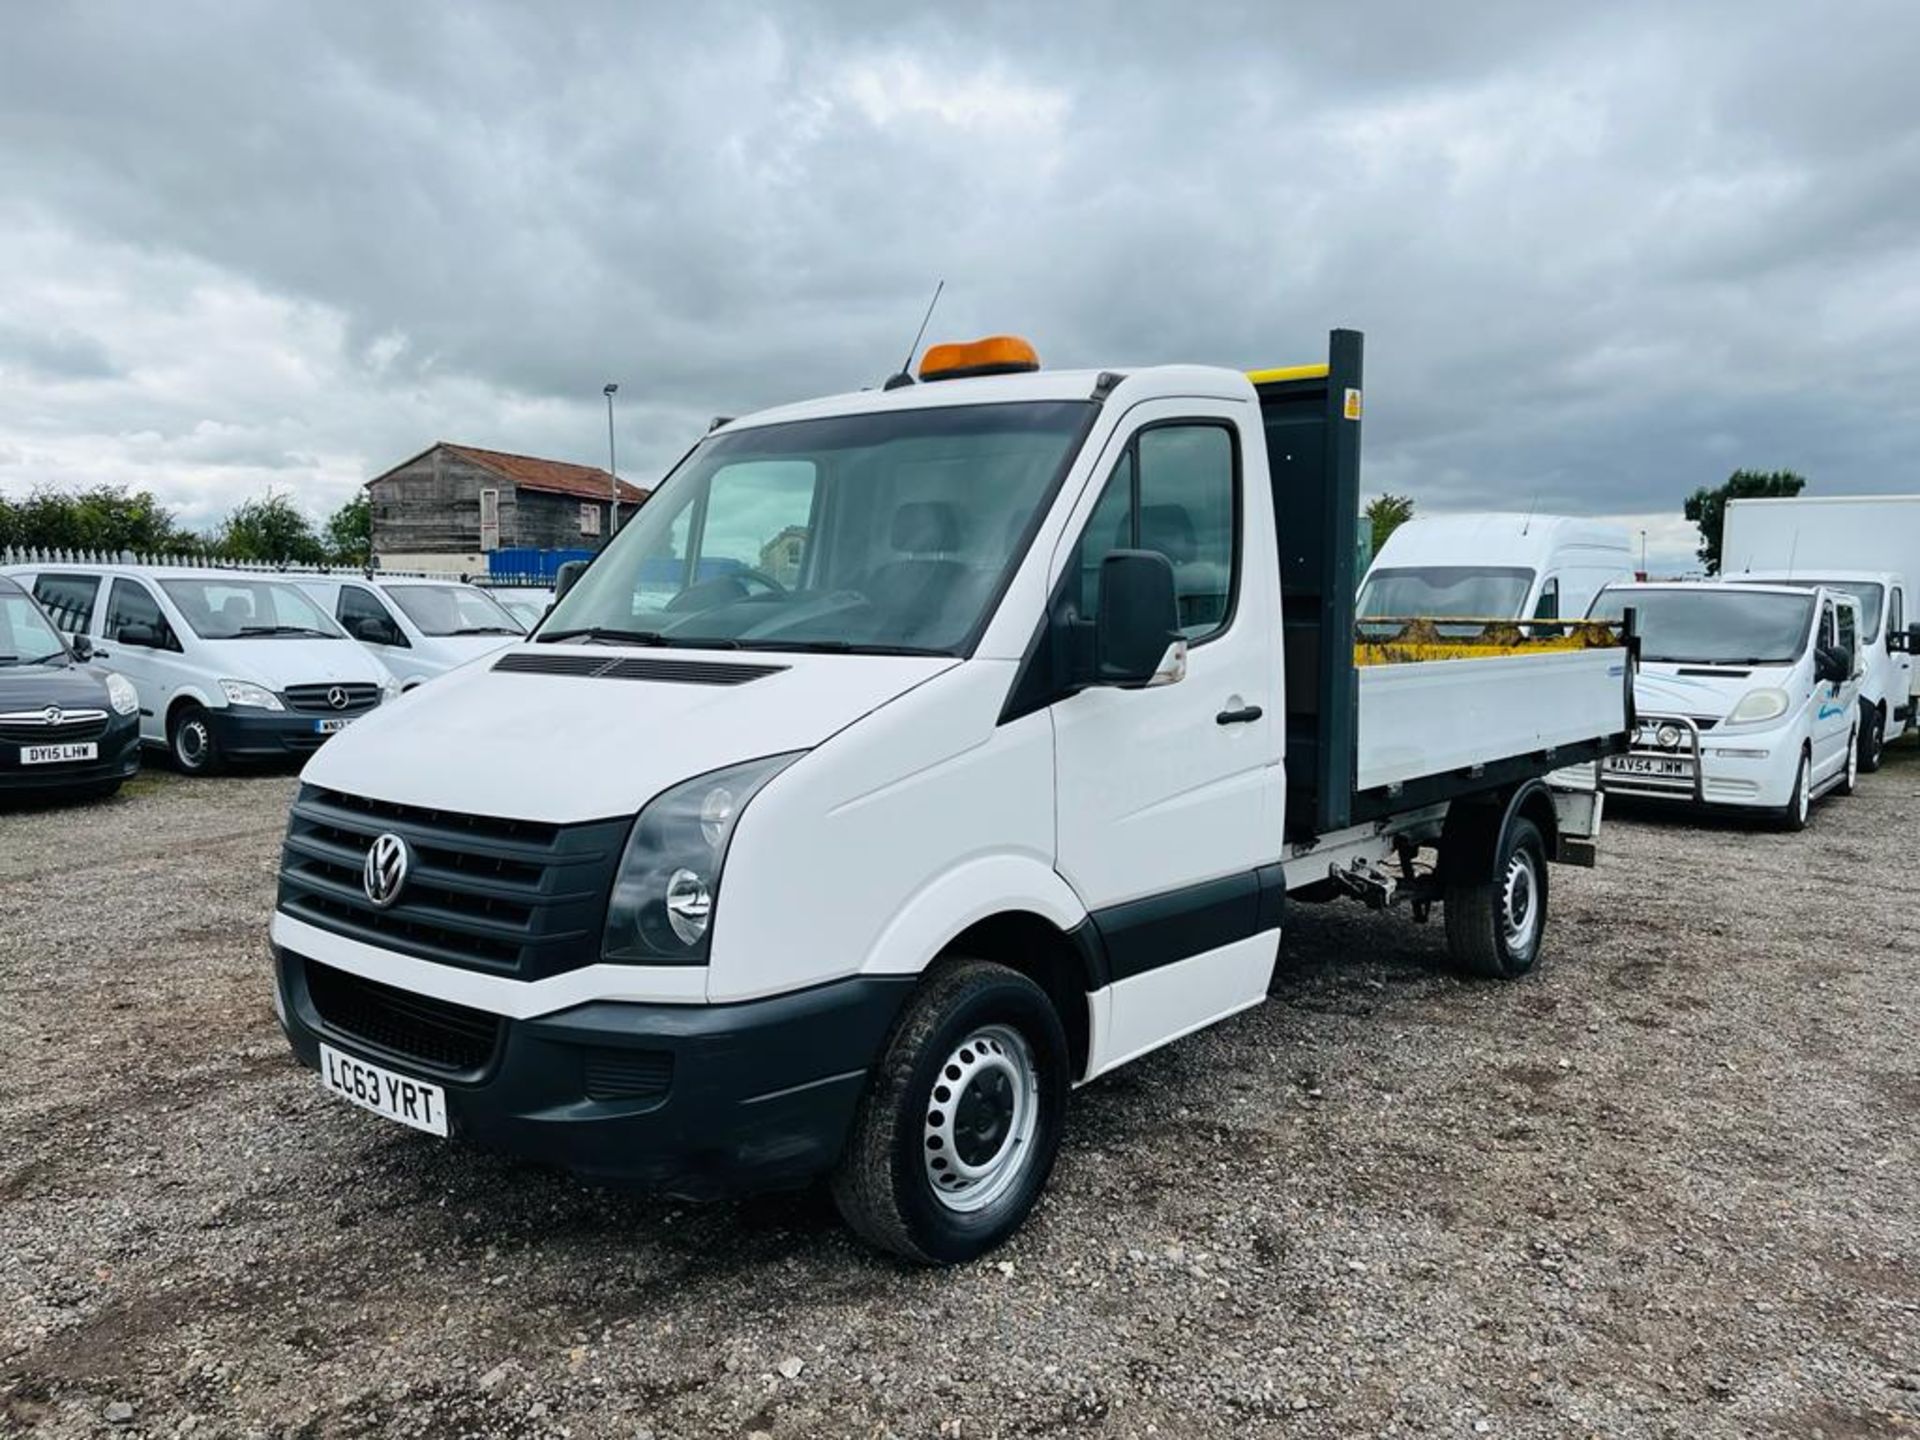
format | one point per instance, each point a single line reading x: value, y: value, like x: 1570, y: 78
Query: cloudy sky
x: 1602, y: 253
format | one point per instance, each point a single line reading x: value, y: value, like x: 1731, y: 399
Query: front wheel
x: 957, y: 1131
x: 190, y: 738
x: 1851, y: 778
x: 1495, y: 924
x: 1794, y: 817
x: 1873, y: 738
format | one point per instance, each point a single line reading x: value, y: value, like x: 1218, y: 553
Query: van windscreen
x: 1432, y: 592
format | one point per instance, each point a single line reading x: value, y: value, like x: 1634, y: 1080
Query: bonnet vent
x: 630, y: 667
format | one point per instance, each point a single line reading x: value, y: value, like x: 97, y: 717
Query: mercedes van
x: 1747, y: 696
x: 1494, y: 566
x: 417, y: 627
x: 227, y: 664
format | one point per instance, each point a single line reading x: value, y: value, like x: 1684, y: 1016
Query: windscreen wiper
x: 601, y: 634
x: 838, y: 647
x: 284, y: 630
x: 486, y: 630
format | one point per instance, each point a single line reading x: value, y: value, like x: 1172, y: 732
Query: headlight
x: 121, y: 695
x: 661, y: 910
x: 239, y: 692
x: 389, y: 690
x: 1758, y: 705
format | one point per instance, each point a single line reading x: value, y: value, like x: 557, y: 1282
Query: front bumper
x: 1716, y: 768
x: 693, y: 1100
x: 244, y: 733
x: 118, y: 759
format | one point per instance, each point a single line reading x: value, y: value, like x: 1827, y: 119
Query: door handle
x: 1244, y: 715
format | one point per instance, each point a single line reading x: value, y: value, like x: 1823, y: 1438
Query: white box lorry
x: 1867, y: 545
x: 975, y: 750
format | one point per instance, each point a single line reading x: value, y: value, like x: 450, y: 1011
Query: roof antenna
x: 904, y: 377
x: 1527, y: 524
x: 1793, y: 550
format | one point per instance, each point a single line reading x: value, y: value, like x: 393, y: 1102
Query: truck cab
x: 912, y: 756
x: 1747, y: 696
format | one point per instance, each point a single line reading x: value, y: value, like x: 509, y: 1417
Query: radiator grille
x: 432, y: 1034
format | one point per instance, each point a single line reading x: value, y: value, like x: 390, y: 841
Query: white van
x: 1747, y: 696
x: 912, y: 756
x: 228, y: 664
x: 418, y: 628
x: 1886, y: 681
x: 1494, y: 565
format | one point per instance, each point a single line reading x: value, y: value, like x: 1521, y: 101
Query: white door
x: 1163, y: 798
x: 129, y: 609
x: 1834, y: 701
x: 1900, y: 683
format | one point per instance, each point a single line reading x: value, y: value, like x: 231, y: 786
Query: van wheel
x: 957, y: 1131
x: 1852, y: 776
x: 1793, y: 818
x: 1495, y: 926
x: 1873, y: 738
x: 190, y: 738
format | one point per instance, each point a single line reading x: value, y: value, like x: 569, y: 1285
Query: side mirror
x: 1830, y: 665
x: 371, y: 630
x: 145, y: 636
x: 82, y: 648
x: 566, y: 577
x: 1137, y: 641
x: 1904, y: 642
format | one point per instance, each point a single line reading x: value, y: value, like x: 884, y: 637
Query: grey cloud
x: 1598, y: 253
x: 56, y: 355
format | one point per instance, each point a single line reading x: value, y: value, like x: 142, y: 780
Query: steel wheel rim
x: 1520, y: 903
x: 977, y: 1136
x: 1803, y: 800
x: 1853, y: 760
x: 191, y: 743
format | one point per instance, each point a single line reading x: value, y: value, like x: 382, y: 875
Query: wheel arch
x: 1475, y: 831
x: 1068, y: 965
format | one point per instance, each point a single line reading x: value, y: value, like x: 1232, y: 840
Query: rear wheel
x: 957, y: 1132
x: 1873, y: 738
x: 190, y: 738
x: 1794, y: 817
x: 1852, y: 776
x: 1495, y: 924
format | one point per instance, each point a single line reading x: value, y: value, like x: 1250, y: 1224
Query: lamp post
x: 613, y: 475
x: 1643, y: 554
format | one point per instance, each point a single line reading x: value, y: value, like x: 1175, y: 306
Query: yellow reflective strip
x: 1289, y: 372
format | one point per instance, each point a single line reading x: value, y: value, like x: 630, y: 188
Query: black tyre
x: 961, y: 1120
x: 1793, y: 818
x: 1850, y: 779
x: 1495, y: 924
x: 190, y: 740
x: 1873, y: 737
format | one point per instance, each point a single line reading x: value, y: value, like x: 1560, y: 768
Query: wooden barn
x: 448, y: 506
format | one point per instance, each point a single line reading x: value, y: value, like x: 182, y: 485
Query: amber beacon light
x: 995, y: 355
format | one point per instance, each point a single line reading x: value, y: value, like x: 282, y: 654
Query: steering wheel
x: 747, y: 572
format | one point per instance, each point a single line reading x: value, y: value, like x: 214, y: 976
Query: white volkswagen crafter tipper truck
x: 855, y: 873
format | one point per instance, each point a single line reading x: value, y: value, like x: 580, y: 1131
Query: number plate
x: 1650, y: 765
x: 58, y: 754
x: 375, y: 1088
x: 333, y: 726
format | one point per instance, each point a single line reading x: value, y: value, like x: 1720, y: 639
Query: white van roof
x: 1499, y: 537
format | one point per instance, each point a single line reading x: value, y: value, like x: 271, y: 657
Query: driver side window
x: 129, y: 605
x: 1172, y: 492
x: 357, y: 607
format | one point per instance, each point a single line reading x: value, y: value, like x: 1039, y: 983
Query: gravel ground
x: 1664, y: 1187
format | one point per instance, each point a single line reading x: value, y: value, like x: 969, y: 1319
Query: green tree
x: 1707, y: 508
x: 270, y: 528
x: 350, y: 532
x: 1386, y: 514
x: 105, y: 517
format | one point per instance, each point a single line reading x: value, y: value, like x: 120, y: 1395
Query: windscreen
x: 242, y: 608
x: 1714, y: 624
x: 453, y: 610
x: 885, y: 533
x: 25, y: 636
x: 1870, y: 594
x: 1467, y: 592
